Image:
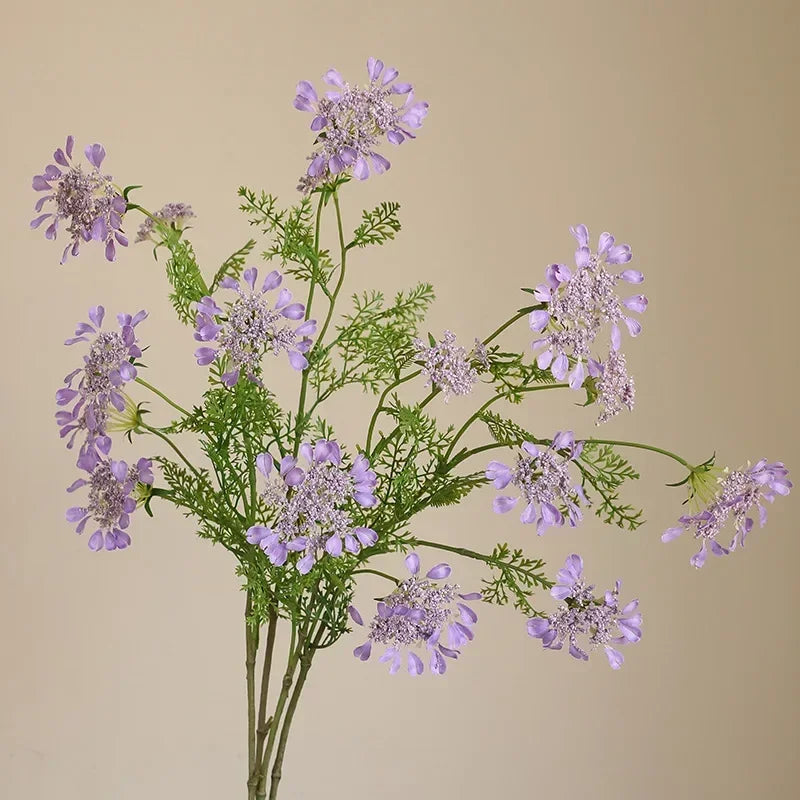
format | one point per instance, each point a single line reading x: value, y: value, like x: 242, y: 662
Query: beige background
x: 674, y: 125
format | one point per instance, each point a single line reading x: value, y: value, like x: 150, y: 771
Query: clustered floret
x: 87, y: 203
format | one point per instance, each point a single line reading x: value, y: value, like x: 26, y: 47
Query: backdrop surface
x: 672, y: 124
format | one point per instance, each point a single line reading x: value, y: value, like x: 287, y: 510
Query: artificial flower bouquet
x: 303, y: 513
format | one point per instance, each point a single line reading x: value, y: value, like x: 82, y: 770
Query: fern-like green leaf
x: 232, y: 266
x: 379, y: 225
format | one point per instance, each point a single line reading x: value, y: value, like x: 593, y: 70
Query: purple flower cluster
x: 87, y: 202
x: 111, y: 500
x: 448, y: 366
x: 578, y: 305
x: 251, y: 326
x: 614, y: 386
x: 414, y: 617
x: 351, y: 122
x: 174, y: 214
x: 740, y: 493
x: 583, y: 614
x: 96, y: 387
x: 542, y: 477
x: 311, y: 506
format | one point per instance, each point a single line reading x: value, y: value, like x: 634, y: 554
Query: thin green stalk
x: 507, y: 324
x: 376, y: 572
x: 462, y: 551
x: 286, y: 685
x: 463, y: 456
x: 251, y: 647
x: 277, y: 767
x: 463, y: 429
x: 164, y: 437
x: 251, y: 471
x: 381, y: 401
x: 650, y: 447
x: 317, y: 222
x: 262, y: 729
x: 342, y: 269
x: 143, y: 382
x: 301, y: 403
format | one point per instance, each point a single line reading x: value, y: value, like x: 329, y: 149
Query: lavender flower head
x: 351, y: 122
x: 614, y: 386
x: 106, y: 369
x: 412, y: 619
x: 251, y: 326
x: 579, y: 304
x: 583, y: 614
x: 111, y: 501
x: 542, y: 477
x: 87, y: 203
x: 312, y: 506
x: 740, y: 493
x: 173, y: 214
x: 448, y: 366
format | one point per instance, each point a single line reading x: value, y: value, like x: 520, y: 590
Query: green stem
x: 376, y: 572
x: 164, y: 437
x: 251, y: 647
x: 301, y: 403
x: 317, y: 222
x: 277, y: 767
x: 650, y: 447
x: 507, y: 324
x: 342, y: 269
x: 252, y: 507
x: 286, y: 685
x: 462, y: 551
x: 379, y: 407
x: 465, y: 454
x: 264, y: 724
x: 463, y: 429
x: 161, y: 394
x: 137, y: 207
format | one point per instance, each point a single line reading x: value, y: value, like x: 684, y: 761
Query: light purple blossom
x: 543, y: 479
x: 448, y: 366
x: 740, y: 494
x: 614, y: 386
x: 351, y: 122
x: 251, y: 326
x: 173, y: 214
x: 111, y: 500
x: 600, y: 619
x: 313, y: 506
x: 87, y: 203
x: 412, y: 621
x: 91, y: 390
x: 579, y: 304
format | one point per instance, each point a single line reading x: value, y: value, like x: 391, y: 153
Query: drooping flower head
x: 412, y: 621
x: 600, y: 619
x: 580, y: 304
x: 111, y: 501
x: 174, y: 214
x: 86, y: 203
x: 448, y: 366
x: 314, y: 506
x: 614, y: 386
x: 352, y: 121
x: 740, y: 493
x: 543, y: 479
x: 251, y: 326
x: 96, y: 386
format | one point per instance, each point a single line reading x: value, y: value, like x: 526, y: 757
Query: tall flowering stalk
x: 304, y: 513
